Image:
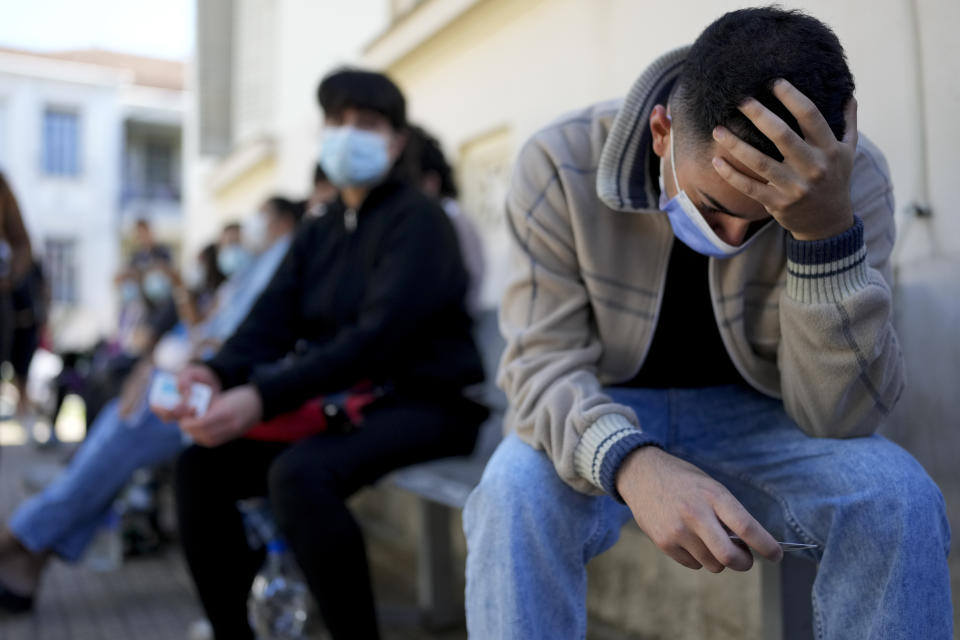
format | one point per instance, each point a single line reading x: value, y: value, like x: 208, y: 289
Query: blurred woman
x: 15, y: 260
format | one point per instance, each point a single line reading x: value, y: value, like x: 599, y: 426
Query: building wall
x: 517, y: 64
x: 82, y: 208
x: 87, y: 208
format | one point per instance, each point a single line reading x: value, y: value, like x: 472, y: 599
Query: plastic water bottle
x: 280, y: 606
x: 279, y: 599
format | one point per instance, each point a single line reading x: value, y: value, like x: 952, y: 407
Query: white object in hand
x: 163, y: 391
x: 165, y: 395
x: 200, y: 395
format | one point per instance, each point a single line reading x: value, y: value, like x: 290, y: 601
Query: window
x: 159, y: 170
x: 61, y: 143
x: 61, y: 266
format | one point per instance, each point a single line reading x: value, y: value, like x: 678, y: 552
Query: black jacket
x: 382, y: 302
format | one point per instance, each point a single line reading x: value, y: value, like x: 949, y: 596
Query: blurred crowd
x: 348, y: 305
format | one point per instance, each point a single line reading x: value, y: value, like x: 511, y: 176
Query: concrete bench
x: 443, y: 486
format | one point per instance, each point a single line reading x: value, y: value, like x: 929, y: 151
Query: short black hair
x: 741, y: 54
x: 425, y: 155
x: 359, y: 89
x: 286, y: 208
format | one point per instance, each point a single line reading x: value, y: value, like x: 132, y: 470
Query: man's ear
x: 660, y: 128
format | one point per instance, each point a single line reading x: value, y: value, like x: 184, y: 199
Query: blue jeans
x: 878, y: 518
x: 64, y: 517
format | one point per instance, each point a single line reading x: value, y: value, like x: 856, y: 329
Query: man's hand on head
x: 808, y: 192
x: 689, y: 515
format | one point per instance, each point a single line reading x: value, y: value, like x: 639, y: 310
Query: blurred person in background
x: 30, y: 302
x: 371, y: 294
x: 62, y: 519
x: 232, y: 254
x: 146, y: 250
x: 431, y: 173
x: 194, y: 292
x: 16, y: 258
x: 154, y: 299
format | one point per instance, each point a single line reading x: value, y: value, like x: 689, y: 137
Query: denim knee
x: 899, y: 500
x: 519, y: 488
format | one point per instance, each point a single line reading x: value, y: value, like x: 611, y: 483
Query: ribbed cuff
x: 604, y: 446
x: 829, y: 270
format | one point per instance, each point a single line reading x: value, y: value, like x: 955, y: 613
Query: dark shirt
x: 381, y: 302
x: 687, y: 350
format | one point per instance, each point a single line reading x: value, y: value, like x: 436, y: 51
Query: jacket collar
x: 377, y: 194
x: 627, y: 177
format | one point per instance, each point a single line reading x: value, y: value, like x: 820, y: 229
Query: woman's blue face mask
x: 353, y: 157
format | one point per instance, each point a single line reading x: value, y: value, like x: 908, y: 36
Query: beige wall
x: 520, y: 63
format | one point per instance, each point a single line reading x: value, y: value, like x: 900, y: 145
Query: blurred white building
x: 90, y: 141
x: 251, y: 130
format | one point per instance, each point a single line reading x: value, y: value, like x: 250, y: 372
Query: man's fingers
x: 814, y: 126
x: 681, y: 555
x: 696, y: 548
x: 765, y: 194
x: 722, y: 548
x: 755, y: 160
x: 851, y: 134
x: 740, y: 522
x: 786, y: 139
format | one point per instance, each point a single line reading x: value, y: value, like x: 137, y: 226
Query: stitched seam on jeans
x: 817, y: 616
x: 598, y: 507
x: 788, y: 515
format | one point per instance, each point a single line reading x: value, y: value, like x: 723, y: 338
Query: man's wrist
x: 828, y: 270
x: 630, y: 465
x: 842, y: 224
x: 604, y: 446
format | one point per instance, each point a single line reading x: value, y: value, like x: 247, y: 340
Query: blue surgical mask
x: 157, y: 286
x: 688, y: 223
x: 231, y: 259
x: 351, y: 157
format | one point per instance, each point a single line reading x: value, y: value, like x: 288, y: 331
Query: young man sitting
x: 699, y: 337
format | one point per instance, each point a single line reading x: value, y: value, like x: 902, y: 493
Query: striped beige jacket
x: 808, y: 322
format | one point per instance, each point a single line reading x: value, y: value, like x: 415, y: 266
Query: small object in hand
x: 163, y: 391
x: 200, y: 395
x: 785, y: 546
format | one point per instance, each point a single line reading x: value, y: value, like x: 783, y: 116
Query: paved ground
x: 148, y: 599
x: 151, y: 598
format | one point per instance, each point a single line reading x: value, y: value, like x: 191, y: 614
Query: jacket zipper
x: 350, y: 220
